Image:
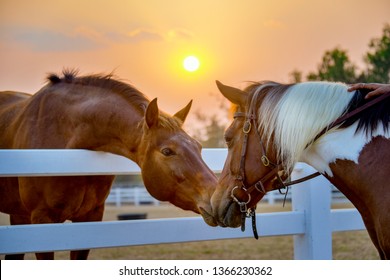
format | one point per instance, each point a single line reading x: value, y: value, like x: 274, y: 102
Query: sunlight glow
x: 191, y: 63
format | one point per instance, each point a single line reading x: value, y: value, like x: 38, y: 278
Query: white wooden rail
x: 123, y: 193
x: 311, y: 222
x: 136, y: 195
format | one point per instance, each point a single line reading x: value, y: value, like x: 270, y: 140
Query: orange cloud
x: 180, y: 34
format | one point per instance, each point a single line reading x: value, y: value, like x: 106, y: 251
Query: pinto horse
x: 99, y: 113
x: 277, y: 125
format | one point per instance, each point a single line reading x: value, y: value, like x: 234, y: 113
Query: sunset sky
x: 145, y: 42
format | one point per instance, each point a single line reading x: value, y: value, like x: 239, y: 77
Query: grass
x: 353, y: 245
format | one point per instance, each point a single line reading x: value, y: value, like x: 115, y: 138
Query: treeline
x: 336, y: 65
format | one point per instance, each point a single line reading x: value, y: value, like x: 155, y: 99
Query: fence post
x: 313, y: 197
x: 271, y: 198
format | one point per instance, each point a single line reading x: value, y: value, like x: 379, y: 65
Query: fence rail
x: 311, y: 221
x: 122, y: 194
x: 135, y: 194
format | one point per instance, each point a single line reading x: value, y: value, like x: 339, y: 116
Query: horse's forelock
x: 169, y: 122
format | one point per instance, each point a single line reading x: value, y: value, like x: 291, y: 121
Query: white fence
x: 137, y: 195
x: 311, y: 221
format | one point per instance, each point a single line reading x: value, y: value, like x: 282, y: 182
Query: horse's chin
x: 207, y: 217
x: 232, y: 216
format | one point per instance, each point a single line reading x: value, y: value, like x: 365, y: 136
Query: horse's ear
x: 182, y: 114
x: 234, y: 95
x: 151, y: 114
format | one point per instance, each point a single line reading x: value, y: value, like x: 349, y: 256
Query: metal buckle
x: 261, y: 189
x: 243, y: 207
x: 265, y: 160
x: 247, y: 127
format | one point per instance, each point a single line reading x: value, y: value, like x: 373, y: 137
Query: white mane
x: 300, y: 114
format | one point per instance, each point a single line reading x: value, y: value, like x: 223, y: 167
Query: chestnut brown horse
x: 98, y: 113
x: 277, y: 125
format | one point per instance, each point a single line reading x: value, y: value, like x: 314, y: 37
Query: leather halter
x: 250, y: 122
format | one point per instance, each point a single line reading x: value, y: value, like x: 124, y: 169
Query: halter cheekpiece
x: 246, y: 212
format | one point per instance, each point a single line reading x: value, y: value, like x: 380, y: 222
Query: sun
x: 191, y: 63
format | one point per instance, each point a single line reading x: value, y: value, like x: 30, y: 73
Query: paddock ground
x: 353, y: 245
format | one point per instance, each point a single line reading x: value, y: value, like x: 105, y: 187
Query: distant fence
x: 311, y: 220
x: 137, y: 195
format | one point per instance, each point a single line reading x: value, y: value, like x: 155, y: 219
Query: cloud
x: 84, y: 38
x: 145, y: 34
x: 90, y: 33
x: 80, y: 39
x: 135, y: 36
x: 180, y: 34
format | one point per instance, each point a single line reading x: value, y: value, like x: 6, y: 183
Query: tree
x: 212, y: 127
x: 213, y: 131
x: 378, y: 59
x: 295, y: 76
x: 335, y: 66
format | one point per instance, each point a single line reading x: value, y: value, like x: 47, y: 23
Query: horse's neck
x: 109, y: 125
x: 343, y: 144
x: 355, y: 163
x: 121, y: 135
x: 11, y: 103
x: 366, y: 183
x: 350, y: 159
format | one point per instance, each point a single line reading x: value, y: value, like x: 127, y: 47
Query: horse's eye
x: 167, y: 152
x: 228, y: 141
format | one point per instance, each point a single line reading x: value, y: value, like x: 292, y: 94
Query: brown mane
x: 104, y: 81
x: 111, y: 82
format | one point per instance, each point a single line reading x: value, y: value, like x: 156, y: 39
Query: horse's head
x: 249, y: 171
x: 171, y: 163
